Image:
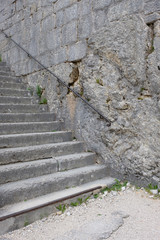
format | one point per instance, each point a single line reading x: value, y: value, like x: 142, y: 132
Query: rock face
x: 121, y: 77
x: 110, y: 54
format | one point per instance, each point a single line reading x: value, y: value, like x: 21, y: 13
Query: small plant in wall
x: 99, y: 81
x: 152, y: 189
x: 43, y: 101
x: 31, y: 90
x: 39, y: 91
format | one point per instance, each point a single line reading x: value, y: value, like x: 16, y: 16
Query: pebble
x: 59, y: 213
x: 128, y: 184
x: 151, y: 196
x: 154, y: 191
x: 105, y: 193
x: 123, y: 189
x: 114, y: 193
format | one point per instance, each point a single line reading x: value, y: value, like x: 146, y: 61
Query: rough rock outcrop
x: 120, y: 76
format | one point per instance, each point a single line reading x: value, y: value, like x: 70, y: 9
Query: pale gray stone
x: 100, y: 4
x: 46, y: 11
x: 57, y: 38
x: 69, y: 33
x: 39, y: 15
x: 152, y: 6
x: 60, y: 56
x: 154, y: 191
x: 113, y: 76
x: 60, y: 18
x: 125, y: 7
x: 50, y: 40
x: 101, y: 228
x: 85, y: 27
x: 100, y: 18
x: 154, y: 61
x: 71, y: 13
x: 47, y: 2
x: 151, y: 18
x: 48, y: 23
x: 62, y: 4
x: 77, y: 51
x: 84, y: 7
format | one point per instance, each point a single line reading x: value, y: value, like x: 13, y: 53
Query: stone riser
x: 10, y: 79
x: 2, y: 64
x: 35, y: 187
x: 56, y: 198
x: 30, y: 127
x: 26, y: 117
x: 16, y: 100
x: 4, y: 71
x: 23, y: 108
x: 14, y: 93
x: 31, y: 153
x: 21, y: 171
x: 16, y: 86
x: 30, y: 139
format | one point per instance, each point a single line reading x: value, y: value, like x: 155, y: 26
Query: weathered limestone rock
x: 115, y: 79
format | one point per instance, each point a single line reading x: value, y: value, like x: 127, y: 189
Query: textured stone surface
x: 119, y: 76
x: 70, y: 21
x: 77, y: 51
x: 115, y: 80
x: 69, y: 33
x: 97, y: 229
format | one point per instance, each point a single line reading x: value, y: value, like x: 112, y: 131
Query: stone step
x: 2, y: 63
x: 14, y: 216
x: 5, y: 72
x: 16, y: 86
x: 20, y: 171
x: 5, y: 69
x: 10, y: 79
x: 34, y: 187
x: 17, y: 100
x: 25, y: 117
x: 14, y: 92
x: 23, y: 108
x: 30, y: 127
x: 29, y: 139
x: 29, y: 153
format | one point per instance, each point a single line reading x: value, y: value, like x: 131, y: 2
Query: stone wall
x: 56, y: 31
x: 109, y: 52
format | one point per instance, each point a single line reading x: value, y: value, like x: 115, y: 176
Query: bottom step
x: 20, y: 214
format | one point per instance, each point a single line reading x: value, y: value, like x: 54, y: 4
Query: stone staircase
x: 40, y: 163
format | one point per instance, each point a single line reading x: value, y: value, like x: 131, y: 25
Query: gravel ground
x: 129, y: 215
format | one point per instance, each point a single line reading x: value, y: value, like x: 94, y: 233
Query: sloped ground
x: 129, y: 215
